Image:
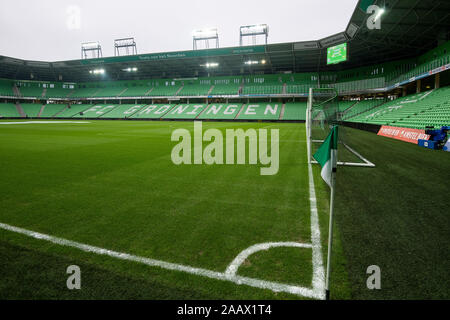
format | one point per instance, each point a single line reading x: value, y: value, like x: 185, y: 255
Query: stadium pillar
x: 437, y: 80
x: 404, y: 92
x: 418, y: 86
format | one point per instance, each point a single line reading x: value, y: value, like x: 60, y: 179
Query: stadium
x: 197, y: 174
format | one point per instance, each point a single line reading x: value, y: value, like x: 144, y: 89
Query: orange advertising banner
x: 404, y: 134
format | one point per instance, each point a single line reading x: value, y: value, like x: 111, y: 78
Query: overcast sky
x: 52, y: 30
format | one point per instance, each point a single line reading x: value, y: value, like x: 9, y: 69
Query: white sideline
x: 42, y: 122
x: 318, y: 269
x: 257, y: 283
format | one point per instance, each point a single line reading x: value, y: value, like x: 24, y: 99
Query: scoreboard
x: 337, y: 53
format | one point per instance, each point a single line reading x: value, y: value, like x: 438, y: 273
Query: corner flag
x: 326, y: 155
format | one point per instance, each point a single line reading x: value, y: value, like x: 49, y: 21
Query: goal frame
x: 364, y: 162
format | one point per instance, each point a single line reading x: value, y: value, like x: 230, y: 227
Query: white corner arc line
x: 240, y: 258
x: 257, y: 283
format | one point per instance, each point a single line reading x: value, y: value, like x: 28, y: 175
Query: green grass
x: 113, y: 185
x: 395, y: 216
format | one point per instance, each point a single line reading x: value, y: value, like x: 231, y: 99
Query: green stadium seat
x: 122, y: 111
x: 72, y: 110
x: 185, y: 111
x: 295, y: 111
x: 221, y: 111
x: 96, y: 111
x: 51, y: 110
x: 154, y: 111
x: 31, y: 109
x: 8, y: 110
x: 261, y: 111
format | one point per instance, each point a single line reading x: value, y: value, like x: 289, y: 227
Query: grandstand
x: 383, y: 94
x: 91, y: 166
x: 8, y: 110
x: 413, y: 111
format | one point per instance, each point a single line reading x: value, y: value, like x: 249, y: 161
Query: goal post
x: 322, y: 113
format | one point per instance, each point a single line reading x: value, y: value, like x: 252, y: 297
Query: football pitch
x: 106, y: 196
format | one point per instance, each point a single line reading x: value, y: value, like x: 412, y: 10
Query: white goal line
x: 364, y: 163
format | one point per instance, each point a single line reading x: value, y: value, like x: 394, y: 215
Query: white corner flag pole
x: 330, y: 227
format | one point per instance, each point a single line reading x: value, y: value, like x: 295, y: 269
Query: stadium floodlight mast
x: 126, y: 44
x: 253, y: 31
x: 93, y: 47
x: 205, y: 35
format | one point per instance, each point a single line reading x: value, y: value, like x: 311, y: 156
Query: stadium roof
x: 408, y: 29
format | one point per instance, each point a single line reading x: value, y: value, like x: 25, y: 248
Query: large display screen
x: 337, y: 53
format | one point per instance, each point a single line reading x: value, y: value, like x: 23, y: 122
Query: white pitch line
x: 318, y: 269
x: 236, y: 263
x: 257, y: 283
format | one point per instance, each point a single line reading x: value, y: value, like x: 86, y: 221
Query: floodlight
x: 205, y: 35
x: 94, y: 47
x: 250, y: 62
x: 253, y: 31
x: 97, y: 71
x: 211, y: 65
x: 259, y: 29
x: 128, y: 45
x: 129, y: 69
x: 90, y: 45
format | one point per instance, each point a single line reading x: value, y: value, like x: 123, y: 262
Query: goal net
x: 322, y: 114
